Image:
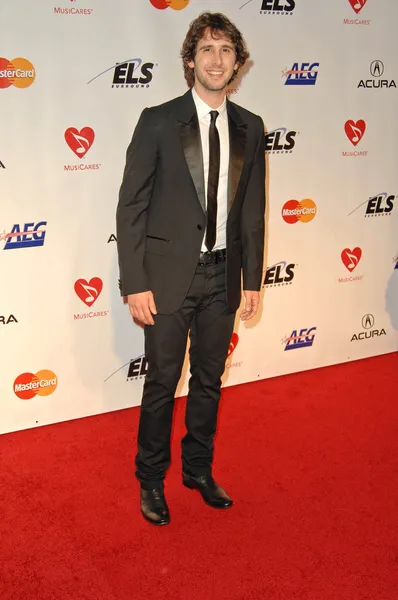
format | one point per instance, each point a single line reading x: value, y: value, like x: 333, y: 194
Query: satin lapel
x: 237, y: 146
x: 192, y: 147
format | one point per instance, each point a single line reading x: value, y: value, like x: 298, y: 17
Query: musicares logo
x: 355, y: 131
x: 233, y: 343
x: 174, y: 4
x: 88, y: 291
x: 357, y: 5
x: 351, y: 258
x: 80, y: 143
x: 72, y: 11
x: 28, y: 385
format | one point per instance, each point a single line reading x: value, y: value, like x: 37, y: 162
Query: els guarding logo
x: 280, y: 141
x: 138, y: 368
x: 282, y: 273
x: 274, y: 7
x: 380, y: 205
x: 131, y: 73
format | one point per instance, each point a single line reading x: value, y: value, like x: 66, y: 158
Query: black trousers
x: 205, y: 316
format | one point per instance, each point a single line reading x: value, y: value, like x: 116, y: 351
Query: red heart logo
x: 79, y: 141
x: 233, y: 343
x: 358, y: 5
x: 88, y: 291
x: 355, y: 131
x: 351, y: 258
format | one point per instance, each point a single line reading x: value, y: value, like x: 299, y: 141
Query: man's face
x: 214, y: 63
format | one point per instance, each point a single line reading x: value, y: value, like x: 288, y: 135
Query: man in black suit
x: 190, y: 220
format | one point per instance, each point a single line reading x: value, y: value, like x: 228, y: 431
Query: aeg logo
x: 305, y: 74
x: 31, y: 235
x: 300, y: 338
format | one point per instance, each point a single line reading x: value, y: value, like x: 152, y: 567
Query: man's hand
x: 142, y: 307
x: 252, y: 300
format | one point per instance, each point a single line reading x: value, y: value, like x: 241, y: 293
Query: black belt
x: 213, y: 257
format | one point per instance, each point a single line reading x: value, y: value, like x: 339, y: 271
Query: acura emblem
x: 376, y: 68
x: 368, y: 321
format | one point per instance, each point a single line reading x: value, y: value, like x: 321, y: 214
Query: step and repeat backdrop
x: 74, y: 78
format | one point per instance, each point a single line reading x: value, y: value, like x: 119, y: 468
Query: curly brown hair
x: 218, y: 24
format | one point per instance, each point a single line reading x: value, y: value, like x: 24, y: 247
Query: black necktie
x: 212, y: 182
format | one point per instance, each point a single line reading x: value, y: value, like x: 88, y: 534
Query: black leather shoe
x: 154, y: 507
x: 211, y: 492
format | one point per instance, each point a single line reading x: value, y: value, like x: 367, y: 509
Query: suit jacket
x: 161, y: 215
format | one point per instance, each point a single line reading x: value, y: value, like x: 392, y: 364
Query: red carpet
x: 310, y: 460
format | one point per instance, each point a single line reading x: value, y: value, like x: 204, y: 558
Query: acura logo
x: 376, y: 68
x: 368, y: 321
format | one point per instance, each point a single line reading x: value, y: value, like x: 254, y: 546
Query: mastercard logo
x: 303, y: 211
x: 18, y: 72
x: 28, y: 385
x: 174, y: 4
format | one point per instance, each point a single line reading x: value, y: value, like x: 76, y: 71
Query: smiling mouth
x: 215, y: 72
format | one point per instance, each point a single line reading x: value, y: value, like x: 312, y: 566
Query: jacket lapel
x: 237, y: 146
x: 188, y: 125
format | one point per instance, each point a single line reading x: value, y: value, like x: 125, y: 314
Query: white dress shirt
x: 203, y: 111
